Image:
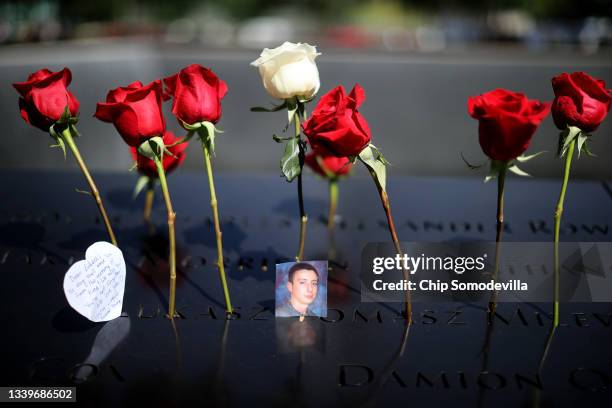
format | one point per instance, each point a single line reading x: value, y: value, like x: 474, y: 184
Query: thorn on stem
x: 82, y: 191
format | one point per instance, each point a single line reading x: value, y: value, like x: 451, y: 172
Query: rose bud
x: 336, y: 125
x: 135, y: 110
x: 580, y: 100
x: 289, y: 70
x: 44, y: 97
x: 327, y: 165
x: 147, y: 166
x: 197, y: 93
x: 507, y: 122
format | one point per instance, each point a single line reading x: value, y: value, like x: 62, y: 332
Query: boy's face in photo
x: 304, y: 286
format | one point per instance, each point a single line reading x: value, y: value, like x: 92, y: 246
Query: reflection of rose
x: 327, y: 165
x: 338, y: 287
x: 154, y: 264
x: 289, y: 70
x: 301, y: 334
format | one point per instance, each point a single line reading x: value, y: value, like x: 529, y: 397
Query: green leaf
x: 73, y: 129
x: 58, y: 140
x: 523, y: 159
x: 207, y: 136
x: 470, y: 165
x: 133, y: 167
x: 53, y: 132
x: 566, y: 137
x: 493, y: 171
x: 301, y: 109
x: 83, y: 191
x: 303, y: 100
x: 140, y: 185
x: 191, y: 127
x: 152, y: 147
x: 65, y: 115
x: 560, y: 143
x: 515, y: 169
x: 290, y: 162
x: 168, y: 152
x: 371, y: 157
x: 182, y: 140
x: 379, y: 155
x: 292, y: 108
x: 279, y: 139
x: 496, y: 167
x: 211, y: 143
x: 275, y: 108
x: 587, y: 151
x: 580, y: 142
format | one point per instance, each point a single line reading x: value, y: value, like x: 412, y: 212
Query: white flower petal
x: 289, y: 70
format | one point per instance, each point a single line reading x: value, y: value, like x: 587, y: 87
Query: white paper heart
x: 94, y: 287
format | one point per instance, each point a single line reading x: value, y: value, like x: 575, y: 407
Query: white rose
x: 289, y: 70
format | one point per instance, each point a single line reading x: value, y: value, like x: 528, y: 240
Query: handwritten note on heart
x: 94, y: 287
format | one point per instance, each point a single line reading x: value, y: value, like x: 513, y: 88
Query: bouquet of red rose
x: 136, y: 112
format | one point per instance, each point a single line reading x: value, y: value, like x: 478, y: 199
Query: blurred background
x: 418, y: 61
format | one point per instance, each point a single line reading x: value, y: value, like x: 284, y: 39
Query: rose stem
x: 171, y: 218
x: 213, y: 204
x: 67, y: 136
x: 558, y: 212
x: 333, y: 203
x: 384, y: 198
x: 303, y: 216
x: 150, y: 194
x: 551, y: 333
x: 501, y: 179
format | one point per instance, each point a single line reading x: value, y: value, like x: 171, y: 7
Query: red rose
x: 147, y: 166
x: 580, y: 100
x: 333, y: 166
x: 197, y: 94
x: 135, y: 110
x: 336, y: 125
x: 507, y: 122
x: 44, y: 97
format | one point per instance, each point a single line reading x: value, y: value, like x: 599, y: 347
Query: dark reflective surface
x: 455, y: 354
